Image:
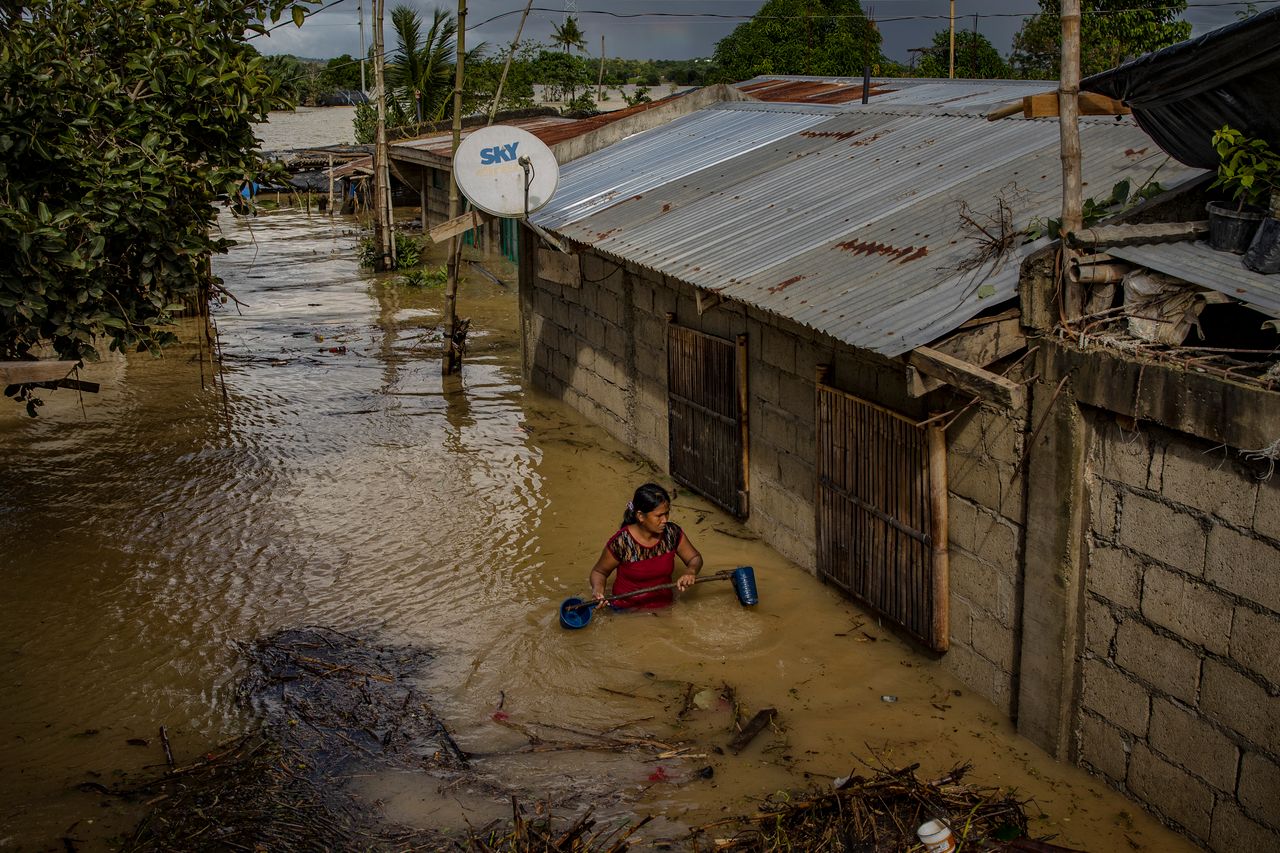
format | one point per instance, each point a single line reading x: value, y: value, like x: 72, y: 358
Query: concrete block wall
x: 1180, y: 694
x: 987, y: 529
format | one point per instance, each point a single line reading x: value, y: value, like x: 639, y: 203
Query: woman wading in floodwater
x: 644, y: 553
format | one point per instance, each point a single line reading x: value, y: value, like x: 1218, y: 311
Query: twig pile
x: 537, y: 833
x: 877, y: 814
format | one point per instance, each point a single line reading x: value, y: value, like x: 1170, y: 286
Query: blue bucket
x: 744, y: 584
x: 572, y: 616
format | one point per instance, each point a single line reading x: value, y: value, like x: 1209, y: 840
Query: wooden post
x: 497, y: 97
x: 384, y: 225
x: 939, y: 531
x: 452, y: 361
x: 330, y: 203
x: 744, y: 403
x: 600, y: 77
x: 1068, y: 115
x: 952, y: 72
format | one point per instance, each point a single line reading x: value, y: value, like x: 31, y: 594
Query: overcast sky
x: 674, y: 29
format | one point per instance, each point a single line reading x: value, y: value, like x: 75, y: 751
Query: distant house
x: 823, y: 316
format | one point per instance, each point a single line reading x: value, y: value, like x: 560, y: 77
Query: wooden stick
x: 756, y: 725
x: 168, y: 751
x: 718, y: 576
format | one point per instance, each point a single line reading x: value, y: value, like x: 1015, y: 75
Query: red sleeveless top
x: 639, y: 567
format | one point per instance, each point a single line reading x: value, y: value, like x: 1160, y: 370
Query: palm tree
x: 421, y: 69
x: 569, y: 35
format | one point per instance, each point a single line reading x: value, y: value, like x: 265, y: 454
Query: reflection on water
x: 345, y: 483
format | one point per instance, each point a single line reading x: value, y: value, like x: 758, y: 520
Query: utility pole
x: 363, y: 53
x: 1068, y: 119
x: 952, y: 73
x: 383, y: 222
x: 452, y: 361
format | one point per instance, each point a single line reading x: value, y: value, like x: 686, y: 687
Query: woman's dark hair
x: 647, y: 498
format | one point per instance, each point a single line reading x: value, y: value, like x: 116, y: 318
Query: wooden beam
x: 968, y: 377
x: 1045, y: 105
x: 459, y: 225
x: 1131, y: 235
x: 706, y: 301
x: 31, y: 372
x: 978, y: 346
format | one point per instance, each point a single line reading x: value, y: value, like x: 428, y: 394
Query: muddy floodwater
x: 330, y: 476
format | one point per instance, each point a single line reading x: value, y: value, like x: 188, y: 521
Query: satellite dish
x: 505, y: 171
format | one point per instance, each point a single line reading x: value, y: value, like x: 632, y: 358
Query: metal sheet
x: 1199, y: 264
x: 849, y: 225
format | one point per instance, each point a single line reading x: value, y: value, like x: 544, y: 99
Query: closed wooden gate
x: 882, y: 512
x: 707, y: 414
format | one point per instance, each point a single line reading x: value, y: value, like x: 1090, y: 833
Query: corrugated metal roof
x: 1199, y: 264
x: 848, y: 224
x: 960, y: 96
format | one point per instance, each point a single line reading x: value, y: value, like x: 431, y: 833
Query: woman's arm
x: 692, y: 561
x: 600, y: 573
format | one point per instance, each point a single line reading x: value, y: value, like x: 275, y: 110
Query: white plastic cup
x: 936, y: 837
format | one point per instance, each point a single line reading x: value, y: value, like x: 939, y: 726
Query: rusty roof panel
x: 849, y: 224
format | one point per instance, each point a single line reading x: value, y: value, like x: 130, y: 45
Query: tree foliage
x: 976, y: 58
x: 569, y: 35
x: 822, y: 37
x: 1111, y: 32
x: 121, y: 122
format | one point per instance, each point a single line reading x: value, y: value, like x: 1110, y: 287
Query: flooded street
x: 342, y: 482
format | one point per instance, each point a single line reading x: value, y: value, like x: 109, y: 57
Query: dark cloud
x: 673, y: 31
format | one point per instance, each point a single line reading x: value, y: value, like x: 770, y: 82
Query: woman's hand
x: 598, y: 595
x: 686, y: 580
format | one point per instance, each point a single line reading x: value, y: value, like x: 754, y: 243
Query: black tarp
x: 1180, y: 95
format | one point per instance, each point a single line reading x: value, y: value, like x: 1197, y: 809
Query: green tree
x: 824, y: 37
x: 975, y: 57
x: 561, y: 73
x: 421, y: 71
x: 1111, y: 32
x: 517, y: 91
x: 120, y: 124
x: 342, y: 72
x: 568, y: 35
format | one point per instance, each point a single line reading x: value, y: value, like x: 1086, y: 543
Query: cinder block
x: 763, y: 381
x: 960, y: 620
x: 1234, y: 832
x: 1245, y: 565
x: 797, y: 473
x: 1260, y: 789
x: 1114, y: 575
x: 1232, y: 700
x: 964, y: 436
x: 997, y: 644
x: 977, y: 478
x: 1099, y: 628
x: 1210, y: 482
x: 973, y: 669
x: 962, y: 522
x: 1266, y: 519
x: 1002, y: 437
x: 996, y: 540
x: 1193, y: 744
x: 1103, y: 748
x: 779, y: 349
x: 1171, y: 791
x: 797, y: 398
x: 1104, y: 504
x: 1255, y: 641
x: 1188, y: 609
x: 1123, y: 457
x: 1116, y: 697
x: 1163, y: 533
x: 1158, y: 661
x: 976, y: 581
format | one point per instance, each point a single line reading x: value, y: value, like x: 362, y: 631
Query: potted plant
x: 1249, y: 170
